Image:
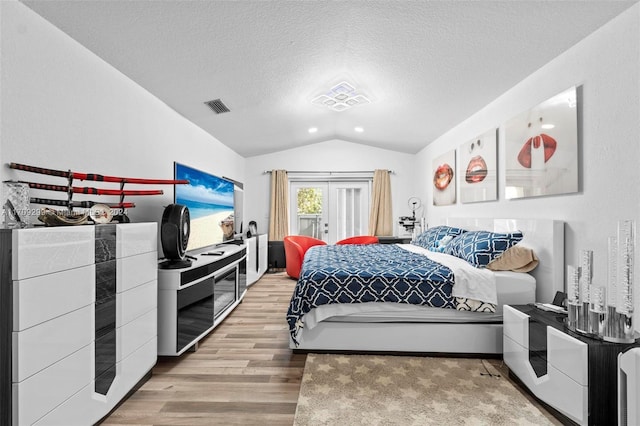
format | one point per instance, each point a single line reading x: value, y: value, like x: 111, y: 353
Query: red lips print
x: 524, y: 156
x: 476, y: 170
x: 442, y: 177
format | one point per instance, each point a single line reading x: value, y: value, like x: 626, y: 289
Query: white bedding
x: 470, y: 282
x: 512, y: 288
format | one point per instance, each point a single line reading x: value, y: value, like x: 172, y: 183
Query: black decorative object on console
x: 174, y: 235
x: 253, y: 229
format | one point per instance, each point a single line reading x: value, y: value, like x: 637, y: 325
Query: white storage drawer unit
x: 79, y: 320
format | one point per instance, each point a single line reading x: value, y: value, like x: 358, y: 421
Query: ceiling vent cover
x: 217, y: 106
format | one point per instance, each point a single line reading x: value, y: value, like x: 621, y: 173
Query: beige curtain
x: 380, y: 220
x: 279, y: 212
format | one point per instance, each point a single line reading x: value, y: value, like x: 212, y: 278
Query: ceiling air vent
x: 217, y: 106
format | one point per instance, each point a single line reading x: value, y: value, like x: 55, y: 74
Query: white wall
x: 65, y: 108
x: 606, y: 66
x: 333, y: 155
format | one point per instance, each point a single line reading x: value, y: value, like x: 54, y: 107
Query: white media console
x: 193, y: 301
x: 78, y: 320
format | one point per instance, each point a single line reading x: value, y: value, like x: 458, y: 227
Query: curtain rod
x: 328, y: 172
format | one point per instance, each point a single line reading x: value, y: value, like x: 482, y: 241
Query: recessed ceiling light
x: 313, y: 129
x: 358, y: 129
x: 548, y: 126
x: 341, y: 97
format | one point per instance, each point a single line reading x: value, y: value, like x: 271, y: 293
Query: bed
x: 388, y: 326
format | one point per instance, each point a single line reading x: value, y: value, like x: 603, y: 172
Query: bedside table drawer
x: 568, y: 355
x: 516, y: 326
x: 567, y: 396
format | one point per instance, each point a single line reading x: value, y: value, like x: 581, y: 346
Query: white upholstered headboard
x: 544, y: 236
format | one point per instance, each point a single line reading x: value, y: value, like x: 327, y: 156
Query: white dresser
x: 82, y: 327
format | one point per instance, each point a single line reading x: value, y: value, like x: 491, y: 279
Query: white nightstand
x: 574, y: 374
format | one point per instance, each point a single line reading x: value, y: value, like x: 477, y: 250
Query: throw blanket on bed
x: 367, y: 273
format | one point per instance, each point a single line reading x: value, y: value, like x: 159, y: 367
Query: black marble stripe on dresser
x: 105, y: 307
x: 6, y: 325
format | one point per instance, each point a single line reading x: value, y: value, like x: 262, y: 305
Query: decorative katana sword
x: 79, y: 204
x: 96, y: 177
x: 93, y: 191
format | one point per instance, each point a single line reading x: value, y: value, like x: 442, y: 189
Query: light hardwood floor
x: 243, y: 372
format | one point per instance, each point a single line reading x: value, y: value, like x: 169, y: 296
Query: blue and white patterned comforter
x: 367, y: 273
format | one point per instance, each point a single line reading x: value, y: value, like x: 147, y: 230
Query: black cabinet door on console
x: 195, y: 311
x: 224, y: 291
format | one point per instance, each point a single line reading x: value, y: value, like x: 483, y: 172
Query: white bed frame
x: 544, y: 236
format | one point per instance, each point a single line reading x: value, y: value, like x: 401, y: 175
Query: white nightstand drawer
x: 517, y: 359
x: 568, y: 355
x: 516, y: 326
x: 567, y: 396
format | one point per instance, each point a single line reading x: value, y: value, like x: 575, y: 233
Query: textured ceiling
x: 426, y: 65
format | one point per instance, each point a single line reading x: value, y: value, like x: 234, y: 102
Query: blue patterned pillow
x: 429, y: 239
x: 479, y: 248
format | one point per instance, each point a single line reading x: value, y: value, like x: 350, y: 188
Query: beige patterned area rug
x: 400, y: 390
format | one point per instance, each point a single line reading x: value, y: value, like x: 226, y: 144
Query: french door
x: 329, y: 211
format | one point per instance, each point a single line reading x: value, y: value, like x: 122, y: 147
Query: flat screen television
x: 210, y: 200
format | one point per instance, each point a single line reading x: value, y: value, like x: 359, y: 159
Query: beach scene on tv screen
x: 210, y: 202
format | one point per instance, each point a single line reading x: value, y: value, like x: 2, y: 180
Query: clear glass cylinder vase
x: 620, y: 327
x: 15, y: 204
x: 585, y: 274
x: 574, y: 301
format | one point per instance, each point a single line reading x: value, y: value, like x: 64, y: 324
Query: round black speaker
x: 174, y: 232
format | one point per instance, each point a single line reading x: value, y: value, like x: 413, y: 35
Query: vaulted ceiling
x: 425, y: 66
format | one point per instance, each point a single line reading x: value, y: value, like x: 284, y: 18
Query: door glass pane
x: 348, y: 213
x: 309, y: 211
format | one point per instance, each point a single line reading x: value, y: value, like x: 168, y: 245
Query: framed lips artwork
x: 444, y: 179
x: 478, y: 164
x: 541, y: 149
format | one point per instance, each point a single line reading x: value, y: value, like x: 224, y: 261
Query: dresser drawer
x: 136, y: 333
x: 136, y: 302
x: 39, y: 299
x: 40, y: 251
x: 136, y: 270
x: 38, y: 347
x: 136, y: 238
x: 42, y: 392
